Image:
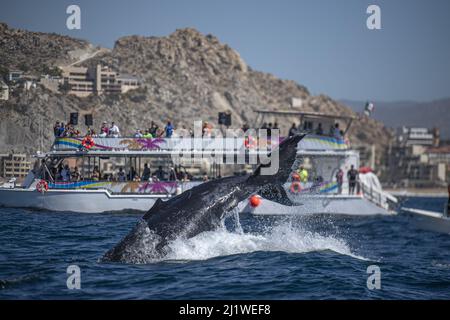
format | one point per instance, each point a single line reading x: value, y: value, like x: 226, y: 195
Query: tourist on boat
x: 337, y: 132
x: 147, y: 134
x: 58, y: 171
x: 114, y: 130
x: 104, y: 130
x: 319, y: 130
x: 76, y: 175
x: 293, y: 130
x: 121, y: 177
x: 186, y: 177
x: 73, y: 132
x: 56, y: 129
x: 95, y: 174
x: 205, y: 177
x: 138, y: 133
x: 61, y: 130
x: 160, y: 174
x: 131, y: 174
x: 275, y: 126
x: 340, y: 180
x: 264, y: 126
x: 179, y: 174
x: 146, y: 173
x: 269, y: 130
x: 352, y: 176
x: 153, y: 129
x: 172, y: 174
x: 169, y: 129
x: 206, y: 130
x: 65, y: 173
x: 303, y: 174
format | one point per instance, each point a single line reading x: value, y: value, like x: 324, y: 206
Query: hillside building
x: 14, y: 165
x: 15, y: 75
x: 415, y: 159
x: 83, y: 81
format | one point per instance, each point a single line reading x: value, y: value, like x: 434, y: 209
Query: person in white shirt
x: 114, y: 130
x: 138, y: 134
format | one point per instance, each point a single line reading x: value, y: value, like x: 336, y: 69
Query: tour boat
x: 323, y: 156
x: 429, y: 220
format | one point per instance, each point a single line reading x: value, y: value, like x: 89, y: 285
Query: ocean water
x: 318, y: 257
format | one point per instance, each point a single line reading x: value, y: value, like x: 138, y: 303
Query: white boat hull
x: 85, y: 201
x: 98, y: 201
x: 430, y: 220
x: 318, y: 204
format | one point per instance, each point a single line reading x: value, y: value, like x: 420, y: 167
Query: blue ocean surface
x: 317, y: 257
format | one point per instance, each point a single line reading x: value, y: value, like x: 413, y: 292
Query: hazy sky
x: 324, y: 45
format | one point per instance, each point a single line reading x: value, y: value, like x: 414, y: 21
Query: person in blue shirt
x: 169, y: 130
x: 62, y: 130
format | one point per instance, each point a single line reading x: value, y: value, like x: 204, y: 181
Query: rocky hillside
x: 186, y: 76
x: 31, y: 51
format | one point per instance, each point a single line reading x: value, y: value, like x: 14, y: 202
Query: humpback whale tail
x: 285, y: 154
x: 271, y: 186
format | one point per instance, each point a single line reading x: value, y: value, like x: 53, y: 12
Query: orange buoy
x: 88, y: 142
x: 250, y: 143
x: 295, y: 176
x: 296, y: 187
x: 42, y: 186
x: 255, y: 201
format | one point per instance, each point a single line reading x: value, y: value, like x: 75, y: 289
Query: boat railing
x: 131, y: 187
x: 163, y: 144
x: 376, y: 195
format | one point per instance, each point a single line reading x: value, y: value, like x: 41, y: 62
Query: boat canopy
x: 305, y: 116
x: 126, y: 147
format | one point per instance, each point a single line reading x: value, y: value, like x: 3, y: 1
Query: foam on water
x: 283, y: 237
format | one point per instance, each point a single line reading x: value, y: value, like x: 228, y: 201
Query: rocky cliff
x: 186, y: 76
x: 32, y: 51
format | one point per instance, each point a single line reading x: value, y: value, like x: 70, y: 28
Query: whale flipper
x: 276, y: 193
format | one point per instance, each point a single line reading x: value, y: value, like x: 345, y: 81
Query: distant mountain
x: 410, y: 113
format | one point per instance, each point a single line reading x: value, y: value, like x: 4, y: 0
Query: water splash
x: 284, y: 237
